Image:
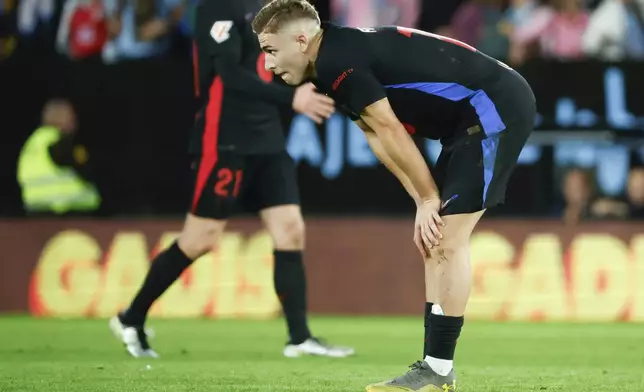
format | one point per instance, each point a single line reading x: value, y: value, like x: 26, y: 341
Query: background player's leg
x: 198, y: 237
x: 275, y: 194
x: 452, y: 289
x: 286, y: 227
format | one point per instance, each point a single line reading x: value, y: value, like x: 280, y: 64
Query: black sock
x: 443, y: 336
x: 290, y: 287
x: 164, y: 270
x: 428, y: 312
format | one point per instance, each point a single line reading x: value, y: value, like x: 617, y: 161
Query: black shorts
x: 473, y: 169
x: 229, y: 182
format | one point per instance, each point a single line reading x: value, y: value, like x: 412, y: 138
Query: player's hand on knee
x: 428, y: 224
x: 318, y: 107
x: 418, y: 240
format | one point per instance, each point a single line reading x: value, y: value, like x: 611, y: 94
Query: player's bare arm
x: 402, y: 150
x: 381, y: 154
x: 400, y: 147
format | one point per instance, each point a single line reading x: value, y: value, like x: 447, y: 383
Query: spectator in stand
x: 616, y: 31
x: 518, y: 13
x: 478, y: 23
x: 578, y: 195
x: 82, y: 32
x: 141, y: 28
x: 557, y: 28
x: 632, y: 207
x: 635, y: 193
x: 369, y: 13
x: 36, y: 22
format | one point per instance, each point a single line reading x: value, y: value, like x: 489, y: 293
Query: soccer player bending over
x: 396, y: 83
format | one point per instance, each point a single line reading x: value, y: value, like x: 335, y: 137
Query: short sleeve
x: 359, y: 89
x: 353, y: 88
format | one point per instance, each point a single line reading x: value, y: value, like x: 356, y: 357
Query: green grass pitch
x: 206, y: 355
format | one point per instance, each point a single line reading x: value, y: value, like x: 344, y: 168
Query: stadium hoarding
x: 522, y: 270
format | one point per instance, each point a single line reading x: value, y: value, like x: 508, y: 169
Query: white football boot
x: 317, y: 346
x: 135, y: 339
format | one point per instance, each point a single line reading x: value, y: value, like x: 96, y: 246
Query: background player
x: 241, y: 160
x: 395, y: 82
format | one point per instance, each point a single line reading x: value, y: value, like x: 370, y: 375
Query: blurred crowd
x: 582, y: 201
x: 511, y: 30
x: 555, y: 29
x: 515, y: 31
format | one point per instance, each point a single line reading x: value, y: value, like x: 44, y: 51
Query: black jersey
x: 238, y: 100
x: 436, y: 86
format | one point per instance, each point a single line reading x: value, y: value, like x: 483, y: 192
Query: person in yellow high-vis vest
x: 50, y: 182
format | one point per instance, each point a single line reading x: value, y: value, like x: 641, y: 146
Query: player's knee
x: 440, y: 254
x: 197, y: 242
x: 456, y: 236
x: 447, y: 248
x: 288, y: 233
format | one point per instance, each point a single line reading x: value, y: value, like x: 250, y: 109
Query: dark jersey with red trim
x: 438, y: 87
x: 239, y: 102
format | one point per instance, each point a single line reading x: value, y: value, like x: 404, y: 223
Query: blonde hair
x: 278, y: 12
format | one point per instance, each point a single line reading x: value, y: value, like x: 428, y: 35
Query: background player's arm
x: 218, y: 28
x: 400, y: 147
x: 382, y: 155
x: 240, y: 79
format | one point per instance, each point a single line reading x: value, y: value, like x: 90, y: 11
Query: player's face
x: 286, y: 55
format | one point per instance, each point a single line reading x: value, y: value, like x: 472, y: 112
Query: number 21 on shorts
x: 227, y: 179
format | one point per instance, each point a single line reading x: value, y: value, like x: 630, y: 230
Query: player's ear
x: 302, y: 41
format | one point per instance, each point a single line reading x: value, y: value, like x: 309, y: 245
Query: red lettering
x: 224, y: 178
x: 406, y: 31
x: 340, y: 78
x: 265, y: 75
x: 238, y: 180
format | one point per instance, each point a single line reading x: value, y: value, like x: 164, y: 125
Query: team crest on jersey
x: 220, y: 31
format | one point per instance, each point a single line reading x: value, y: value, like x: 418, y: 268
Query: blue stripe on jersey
x: 485, y: 109
x: 489, y: 147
